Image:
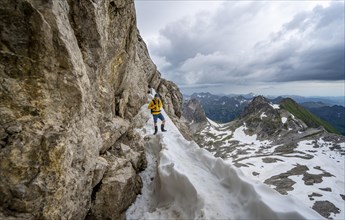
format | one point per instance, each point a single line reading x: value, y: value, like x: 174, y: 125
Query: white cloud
x: 161, y: 62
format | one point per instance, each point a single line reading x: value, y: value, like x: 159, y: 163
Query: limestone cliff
x: 73, y: 75
x: 194, y: 115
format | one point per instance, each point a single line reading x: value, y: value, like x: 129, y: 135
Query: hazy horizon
x: 256, y: 94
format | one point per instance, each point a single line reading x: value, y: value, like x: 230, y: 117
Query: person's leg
x: 161, y: 117
x: 155, y: 119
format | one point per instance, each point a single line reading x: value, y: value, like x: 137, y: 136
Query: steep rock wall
x: 72, y: 76
x: 173, y: 106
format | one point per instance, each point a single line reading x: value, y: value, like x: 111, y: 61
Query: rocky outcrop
x: 73, y: 74
x: 267, y: 121
x: 257, y: 105
x: 172, y: 101
x: 194, y: 113
x: 120, y: 184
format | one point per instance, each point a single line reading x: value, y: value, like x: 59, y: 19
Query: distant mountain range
x: 335, y: 115
x: 329, y: 101
x: 221, y: 108
x: 226, y: 108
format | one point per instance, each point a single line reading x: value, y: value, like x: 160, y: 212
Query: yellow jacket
x: 155, y: 106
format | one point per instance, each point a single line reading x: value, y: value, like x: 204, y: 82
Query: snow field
x: 188, y: 182
x: 327, y: 160
x: 251, y: 153
x: 241, y: 136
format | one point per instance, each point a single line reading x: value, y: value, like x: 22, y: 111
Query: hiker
x: 155, y: 106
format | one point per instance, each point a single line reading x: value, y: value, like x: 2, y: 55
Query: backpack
x: 153, y: 111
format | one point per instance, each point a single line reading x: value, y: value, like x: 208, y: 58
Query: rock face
x: 221, y: 108
x: 261, y: 118
x: 193, y: 111
x: 172, y: 102
x: 194, y: 114
x: 73, y: 74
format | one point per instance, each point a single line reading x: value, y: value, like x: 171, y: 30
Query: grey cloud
x: 335, y: 13
x: 207, y: 33
x: 208, y: 50
x: 319, y: 55
x: 319, y: 64
x: 185, y: 41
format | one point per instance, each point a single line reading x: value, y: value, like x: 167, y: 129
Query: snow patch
x: 215, y: 124
x: 275, y: 106
x: 263, y: 115
x: 242, y: 137
x: 284, y: 120
x: 242, y: 101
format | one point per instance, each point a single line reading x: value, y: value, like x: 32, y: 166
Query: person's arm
x: 151, y: 105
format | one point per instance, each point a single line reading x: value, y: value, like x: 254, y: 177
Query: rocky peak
x: 268, y: 120
x: 258, y: 105
x: 193, y: 111
x: 259, y: 99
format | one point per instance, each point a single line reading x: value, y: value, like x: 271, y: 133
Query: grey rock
x: 193, y: 111
x: 73, y: 75
x: 194, y: 114
x: 325, y: 208
x: 327, y: 189
x: 270, y: 160
x: 14, y: 128
x: 3, y: 134
x: 100, y: 169
x: 118, y: 190
x: 342, y: 196
x: 172, y: 98
x: 315, y: 195
x: 255, y: 173
x: 112, y: 131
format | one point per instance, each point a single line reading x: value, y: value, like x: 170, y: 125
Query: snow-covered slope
x: 312, y: 170
x: 183, y: 181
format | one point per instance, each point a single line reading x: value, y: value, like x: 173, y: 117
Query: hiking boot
x: 156, y: 130
x: 162, y: 128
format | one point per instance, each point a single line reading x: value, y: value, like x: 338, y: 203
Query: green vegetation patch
x: 307, y: 117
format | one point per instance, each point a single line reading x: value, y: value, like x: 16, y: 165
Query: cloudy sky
x: 265, y: 47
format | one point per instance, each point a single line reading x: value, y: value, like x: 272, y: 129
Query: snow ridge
x: 183, y: 181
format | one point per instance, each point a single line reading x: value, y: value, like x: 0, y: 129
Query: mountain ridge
x: 271, y: 144
x: 310, y: 119
x: 232, y: 107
